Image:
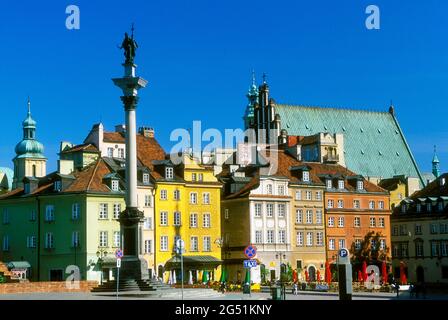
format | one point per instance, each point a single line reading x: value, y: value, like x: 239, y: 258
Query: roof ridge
x: 93, y: 173
x: 330, y: 107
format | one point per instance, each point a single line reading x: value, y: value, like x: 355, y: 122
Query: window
x: 193, y: 198
x: 444, y: 248
x: 435, y: 248
x: 418, y: 229
x: 201, y: 177
x: 110, y: 152
x: 341, y: 243
x: 147, y: 200
x: 146, y: 178
x: 443, y: 228
x: 117, y: 210
x: 121, y: 153
x: 49, y: 240
x: 403, y: 230
x: 309, y: 216
x: 269, y: 189
x: 396, y: 251
x: 270, y: 236
x: 281, y: 236
x: 308, y: 195
x: 357, y: 244
x: 306, y: 176
x: 341, y: 222
x: 372, y: 222
x: 309, y: 238
x: 403, y: 208
x: 332, y: 244
x: 440, y: 206
x: 381, y: 222
x: 177, y: 218
x: 318, y: 195
x: 373, y: 245
x: 299, y: 216
x: 58, y: 186
x: 75, y: 211
x: 115, y: 185
x: 33, y: 215
x: 381, y: 205
x: 169, y: 173
x: 5, y: 216
x: 341, y: 184
x: 269, y: 210
x: 331, y: 221
x: 164, y: 243
x: 419, y: 207
x: 281, y: 210
x: 281, y: 190
x: 371, y: 204
x: 419, y: 248
x: 319, y: 218
x: 117, y: 239
x: 357, y: 223
x: 163, y: 195
x: 176, y: 195
x: 206, y: 198
x: 360, y: 185
x: 395, y: 231
x: 330, y: 203
x: 206, y: 220
x: 257, y: 210
x: 75, y: 239
x: 193, y: 220
x: 299, y: 238
x: 163, y: 218
x: 207, y: 244
x: 356, y: 204
x: 5, y: 243
x: 340, y: 203
x: 319, y: 238
x: 404, y: 250
x: 103, y: 239
x: 428, y: 207
x: 194, y: 246
x: 31, y: 242
x: 258, y: 236
x: 147, y: 223
x: 433, y: 228
x: 298, y: 195
x: 49, y: 213
x: 226, y: 214
x: 193, y: 177
x: 148, y: 246
x: 103, y: 211
x: 329, y: 184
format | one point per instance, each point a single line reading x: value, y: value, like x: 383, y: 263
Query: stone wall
x: 49, y: 286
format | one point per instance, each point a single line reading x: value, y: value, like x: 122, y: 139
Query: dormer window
x: 115, y: 185
x: 169, y: 173
x: 306, y: 176
x: 360, y: 185
x: 269, y: 189
x: 428, y: 207
x: 440, y: 207
x: 341, y: 184
x: 419, y: 207
x: 403, y: 208
x: 146, y: 178
x: 193, y: 177
x: 329, y: 184
x: 58, y: 186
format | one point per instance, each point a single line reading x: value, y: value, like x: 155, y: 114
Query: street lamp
x: 180, y: 244
x: 101, y: 254
x: 282, y: 256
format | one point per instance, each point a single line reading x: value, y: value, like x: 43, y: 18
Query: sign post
x: 180, y: 246
x: 118, y: 255
x: 344, y: 275
x: 250, y: 252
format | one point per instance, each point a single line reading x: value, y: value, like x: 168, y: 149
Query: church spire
x: 435, y: 164
x: 252, y: 96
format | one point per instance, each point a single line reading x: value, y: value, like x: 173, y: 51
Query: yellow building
x: 187, y: 207
x: 399, y: 187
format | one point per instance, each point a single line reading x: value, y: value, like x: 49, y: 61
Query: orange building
x: 353, y: 208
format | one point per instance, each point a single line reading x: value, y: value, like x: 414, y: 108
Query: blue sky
x: 198, y: 56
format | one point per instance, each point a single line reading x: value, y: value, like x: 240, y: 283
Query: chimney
x: 120, y: 128
x: 146, y: 132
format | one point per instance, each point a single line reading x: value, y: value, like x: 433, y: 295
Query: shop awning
x: 193, y: 263
x: 18, y: 265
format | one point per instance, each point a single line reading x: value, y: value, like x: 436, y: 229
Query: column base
x: 133, y: 268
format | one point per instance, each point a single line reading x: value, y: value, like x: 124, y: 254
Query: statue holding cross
x: 130, y: 46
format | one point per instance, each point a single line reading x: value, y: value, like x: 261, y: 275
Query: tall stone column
x: 132, y: 267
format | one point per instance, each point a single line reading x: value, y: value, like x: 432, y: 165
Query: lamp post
x: 181, y: 247
x: 282, y: 256
x: 101, y: 253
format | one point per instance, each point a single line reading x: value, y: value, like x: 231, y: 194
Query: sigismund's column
x: 132, y: 267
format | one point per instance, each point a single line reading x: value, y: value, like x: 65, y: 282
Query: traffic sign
x: 250, y: 251
x: 250, y: 263
x: 118, y: 263
x: 118, y: 254
x: 343, y: 253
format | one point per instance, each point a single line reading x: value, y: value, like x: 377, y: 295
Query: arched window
x: 34, y: 170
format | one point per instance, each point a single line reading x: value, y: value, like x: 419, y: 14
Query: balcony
x: 331, y: 158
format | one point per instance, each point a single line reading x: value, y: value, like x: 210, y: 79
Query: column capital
x: 131, y: 216
x: 130, y: 102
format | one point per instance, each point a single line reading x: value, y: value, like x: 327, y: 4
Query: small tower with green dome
x: 252, y: 96
x: 435, y: 164
x: 29, y: 160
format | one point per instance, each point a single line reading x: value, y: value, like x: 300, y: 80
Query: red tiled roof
x: 113, y: 137
x: 86, y: 147
x: 90, y: 178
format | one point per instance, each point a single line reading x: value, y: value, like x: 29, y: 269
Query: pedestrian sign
x: 250, y: 251
x: 250, y: 263
x: 118, y: 254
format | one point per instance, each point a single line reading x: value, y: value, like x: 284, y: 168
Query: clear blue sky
x: 198, y: 56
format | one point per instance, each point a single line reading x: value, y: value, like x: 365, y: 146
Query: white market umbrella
x: 190, y: 278
x: 174, y: 277
x: 170, y: 279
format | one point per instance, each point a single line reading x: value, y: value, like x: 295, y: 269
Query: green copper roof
x: 374, y: 144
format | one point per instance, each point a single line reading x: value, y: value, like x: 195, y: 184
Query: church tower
x: 252, y: 96
x: 30, y: 160
x: 435, y: 164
